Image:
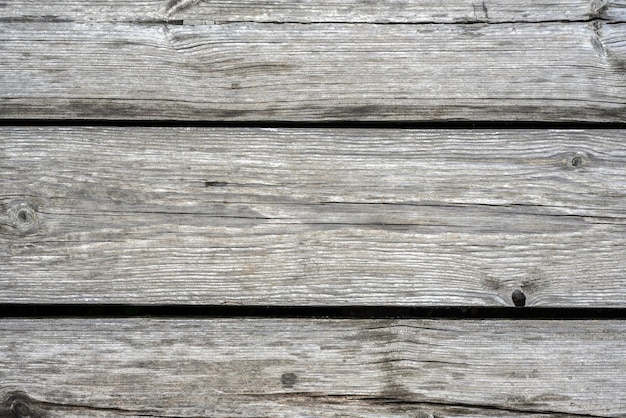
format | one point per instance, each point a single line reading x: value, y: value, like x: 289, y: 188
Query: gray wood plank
x: 303, y: 367
x: 250, y: 71
x: 393, y: 11
x: 312, y: 217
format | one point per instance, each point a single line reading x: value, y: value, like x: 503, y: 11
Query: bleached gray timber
x: 331, y: 11
x: 312, y: 217
x: 311, y: 367
x: 210, y: 67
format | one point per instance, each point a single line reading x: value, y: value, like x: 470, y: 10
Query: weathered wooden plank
x: 287, y: 367
x: 312, y: 217
x: 317, y: 72
x: 393, y: 11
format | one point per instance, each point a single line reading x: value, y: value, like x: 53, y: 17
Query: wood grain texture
x: 331, y: 11
x: 553, y: 71
x: 312, y: 217
x: 287, y: 367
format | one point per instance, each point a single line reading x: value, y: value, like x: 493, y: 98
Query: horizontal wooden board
x: 304, y: 367
x: 312, y: 217
x: 393, y: 11
x: 554, y: 71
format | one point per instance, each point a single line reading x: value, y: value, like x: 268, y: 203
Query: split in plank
x: 317, y: 11
x: 312, y: 217
x: 287, y: 367
x: 552, y: 71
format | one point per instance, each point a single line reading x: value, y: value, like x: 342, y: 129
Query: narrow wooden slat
x: 551, y: 71
x: 400, y: 11
x: 312, y: 217
x: 394, y: 11
x: 287, y: 367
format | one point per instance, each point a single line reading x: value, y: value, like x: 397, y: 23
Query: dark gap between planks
x: 315, y: 125
x: 335, y: 312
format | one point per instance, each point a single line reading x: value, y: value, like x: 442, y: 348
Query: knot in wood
x: 577, y: 161
x: 23, y: 217
x: 20, y: 409
x: 19, y: 404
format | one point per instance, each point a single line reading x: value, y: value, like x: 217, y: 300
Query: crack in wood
x: 18, y: 404
x: 425, y: 404
x: 169, y: 21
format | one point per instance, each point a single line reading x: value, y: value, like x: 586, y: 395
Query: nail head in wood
x: 519, y: 298
x: 288, y: 379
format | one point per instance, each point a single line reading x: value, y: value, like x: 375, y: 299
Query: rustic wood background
x: 313, y: 154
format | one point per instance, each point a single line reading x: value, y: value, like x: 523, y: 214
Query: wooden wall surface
x: 313, y: 154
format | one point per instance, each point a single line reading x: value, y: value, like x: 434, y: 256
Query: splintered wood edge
x: 286, y: 367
